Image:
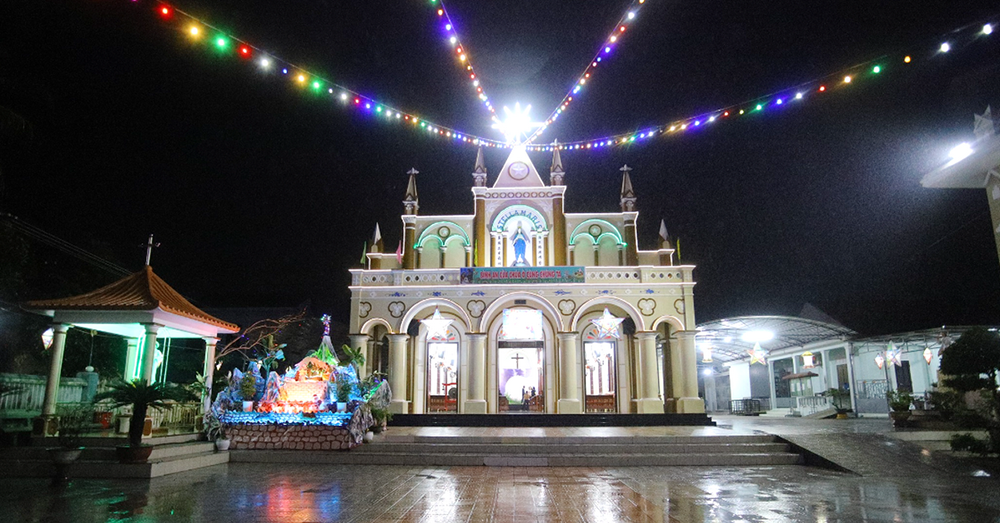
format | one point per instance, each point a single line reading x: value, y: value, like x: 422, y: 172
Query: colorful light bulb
x: 877, y: 69
x: 847, y: 79
x: 987, y: 29
x: 906, y: 59
x: 945, y: 47
x: 220, y: 42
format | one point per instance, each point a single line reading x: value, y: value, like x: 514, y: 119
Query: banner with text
x: 523, y: 275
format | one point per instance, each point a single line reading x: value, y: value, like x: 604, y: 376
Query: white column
x: 397, y: 373
x: 476, y: 402
x: 676, y: 370
x: 149, y: 352
x: 650, y: 402
x: 849, y: 352
x: 360, y: 342
x: 689, y: 403
x: 55, y: 369
x: 208, y: 371
x: 569, y: 372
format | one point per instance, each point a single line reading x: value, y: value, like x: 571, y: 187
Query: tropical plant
x: 841, y: 399
x: 214, y: 428
x: 272, y: 353
x: 142, y: 396
x: 972, y: 364
x: 74, y: 420
x: 899, y: 401
x: 344, y: 392
x: 355, y: 357
x: 248, y: 386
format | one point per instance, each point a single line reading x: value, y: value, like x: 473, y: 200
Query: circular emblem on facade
x: 594, y: 230
x: 518, y: 170
x: 444, y: 232
x: 567, y: 307
x: 679, y: 305
x: 396, y: 309
x: 364, y: 308
x: 647, y: 306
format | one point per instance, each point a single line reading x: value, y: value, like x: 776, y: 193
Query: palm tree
x: 142, y: 396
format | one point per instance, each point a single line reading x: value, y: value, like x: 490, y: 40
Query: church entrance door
x: 599, y: 376
x: 442, y: 377
x: 521, y: 379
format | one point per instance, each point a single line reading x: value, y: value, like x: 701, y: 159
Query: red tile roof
x: 141, y: 291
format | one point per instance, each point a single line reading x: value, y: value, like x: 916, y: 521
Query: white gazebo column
x: 208, y: 371
x: 569, y: 372
x: 397, y: 373
x: 476, y: 402
x: 149, y: 352
x: 650, y: 402
x: 55, y: 371
x: 689, y: 403
x: 360, y: 342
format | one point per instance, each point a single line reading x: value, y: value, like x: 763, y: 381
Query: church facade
x: 523, y: 307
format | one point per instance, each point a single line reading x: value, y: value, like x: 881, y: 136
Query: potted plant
x: 248, y: 389
x: 899, y: 402
x: 73, y: 421
x: 841, y: 400
x: 216, y: 431
x: 343, y: 395
x: 141, y: 396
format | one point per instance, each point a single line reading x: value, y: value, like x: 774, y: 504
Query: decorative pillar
x: 559, y: 231
x: 420, y: 252
x: 572, y: 254
x: 208, y: 372
x: 621, y: 254
x: 689, y: 403
x: 409, y: 236
x: 397, y: 373
x: 650, y: 403
x: 668, y: 377
x: 476, y: 403
x: 494, y: 249
x: 360, y: 342
x: 676, y: 373
x: 569, y: 386
x: 468, y: 256
x: 149, y: 352
x: 55, y: 370
x: 481, y: 252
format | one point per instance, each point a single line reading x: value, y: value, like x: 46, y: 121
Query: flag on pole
x: 378, y: 235
x: 678, y: 250
x: 399, y: 253
x: 663, y: 230
x: 364, y: 253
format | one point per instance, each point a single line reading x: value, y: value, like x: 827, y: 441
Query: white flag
x: 663, y: 230
x: 378, y: 234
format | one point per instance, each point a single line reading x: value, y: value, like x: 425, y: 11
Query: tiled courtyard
x: 895, y: 481
x: 303, y: 493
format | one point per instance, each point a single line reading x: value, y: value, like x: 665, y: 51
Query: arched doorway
x: 520, y: 361
x: 442, y: 372
x: 600, y: 379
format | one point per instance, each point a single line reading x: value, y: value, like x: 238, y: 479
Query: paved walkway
x: 248, y: 492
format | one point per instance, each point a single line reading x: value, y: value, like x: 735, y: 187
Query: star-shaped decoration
x: 437, y: 325
x: 757, y: 355
x: 893, y: 355
x: 607, y: 325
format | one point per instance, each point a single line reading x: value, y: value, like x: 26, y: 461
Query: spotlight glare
x: 987, y: 29
x: 945, y: 47
x: 960, y: 152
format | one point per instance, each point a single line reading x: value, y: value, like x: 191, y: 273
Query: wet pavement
x: 897, y: 483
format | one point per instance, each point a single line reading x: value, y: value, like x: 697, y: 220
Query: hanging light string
x: 779, y: 100
x: 302, y: 77
x: 603, y: 52
x: 464, y: 58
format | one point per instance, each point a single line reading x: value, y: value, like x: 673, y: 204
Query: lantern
x: 928, y: 355
x: 879, y: 360
x: 47, y: 338
x: 808, y: 360
x: 706, y: 355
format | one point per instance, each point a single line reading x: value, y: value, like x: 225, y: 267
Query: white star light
x: 607, y: 325
x: 517, y: 124
x: 437, y: 325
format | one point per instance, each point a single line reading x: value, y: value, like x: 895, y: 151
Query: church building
x: 522, y: 307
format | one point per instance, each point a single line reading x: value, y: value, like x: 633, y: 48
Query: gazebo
x: 140, y: 307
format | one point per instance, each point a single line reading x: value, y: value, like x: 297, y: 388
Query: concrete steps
x: 750, y: 450
x: 171, y: 454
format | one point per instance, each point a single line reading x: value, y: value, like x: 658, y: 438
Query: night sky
x: 263, y: 194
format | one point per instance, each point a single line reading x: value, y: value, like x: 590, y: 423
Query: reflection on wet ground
x: 265, y: 492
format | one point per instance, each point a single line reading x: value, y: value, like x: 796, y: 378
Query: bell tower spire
x: 479, y: 173
x: 411, y: 201
x: 628, y: 195
x: 556, y: 172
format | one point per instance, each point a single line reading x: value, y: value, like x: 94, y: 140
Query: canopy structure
x: 732, y: 339
x: 140, y: 307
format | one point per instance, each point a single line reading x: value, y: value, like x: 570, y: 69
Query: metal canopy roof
x: 726, y: 337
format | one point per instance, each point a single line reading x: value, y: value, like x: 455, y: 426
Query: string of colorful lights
x: 198, y: 29
x: 303, y: 78
x: 604, y: 51
x: 464, y: 57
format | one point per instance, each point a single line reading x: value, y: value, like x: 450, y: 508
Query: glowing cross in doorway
x: 517, y: 360
x: 437, y: 325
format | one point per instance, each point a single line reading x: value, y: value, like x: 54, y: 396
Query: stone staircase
x: 589, y: 451
x: 171, y: 454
